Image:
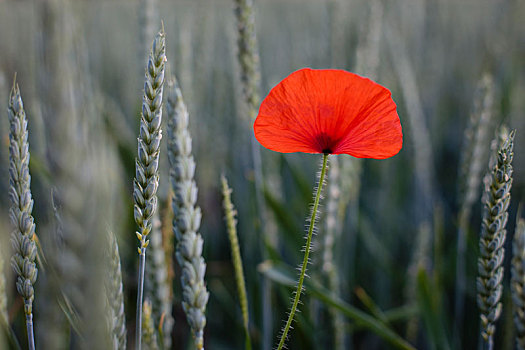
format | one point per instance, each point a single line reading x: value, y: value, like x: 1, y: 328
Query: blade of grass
x: 370, y: 304
x: 429, y: 303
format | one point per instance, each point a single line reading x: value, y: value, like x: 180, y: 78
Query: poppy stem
x: 306, y: 252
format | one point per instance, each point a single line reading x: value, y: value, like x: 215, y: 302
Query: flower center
x: 325, y: 143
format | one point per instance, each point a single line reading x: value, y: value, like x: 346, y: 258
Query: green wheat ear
x: 517, y: 283
x: 248, y: 56
x: 490, y: 262
x: 148, y: 329
x: 158, y: 289
x: 146, y: 180
x: 22, y: 239
x: 115, y: 295
x: 231, y: 223
x: 187, y: 215
x: 473, y: 160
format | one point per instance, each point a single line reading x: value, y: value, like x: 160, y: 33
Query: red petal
x: 329, y: 111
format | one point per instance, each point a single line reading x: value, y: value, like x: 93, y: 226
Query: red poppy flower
x: 329, y: 111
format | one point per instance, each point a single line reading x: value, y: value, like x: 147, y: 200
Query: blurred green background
x: 80, y: 67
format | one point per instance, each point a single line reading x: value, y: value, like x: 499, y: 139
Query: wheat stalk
x: 147, y: 163
x: 492, y: 239
x: 420, y: 261
x: 115, y: 295
x: 23, y: 260
x: 148, y: 19
x: 517, y: 283
x: 231, y: 223
x: 187, y: 215
x: 367, y: 52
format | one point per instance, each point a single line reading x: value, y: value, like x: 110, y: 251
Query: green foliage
x: 284, y: 275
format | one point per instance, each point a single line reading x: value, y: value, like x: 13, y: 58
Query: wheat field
x: 422, y: 250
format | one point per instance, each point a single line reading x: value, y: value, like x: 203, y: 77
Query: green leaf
x: 285, y: 275
x: 430, y: 305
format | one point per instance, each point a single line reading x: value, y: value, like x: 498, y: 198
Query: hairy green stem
x: 306, y: 253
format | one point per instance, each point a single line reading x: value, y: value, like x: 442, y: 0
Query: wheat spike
x: 187, y: 215
x: 115, y: 295
x: 158, y: 289
x: 148, y: 329
x: 146, y: 180
x: 231, y: 223
x: 23, y: 238
x: 492, y: 239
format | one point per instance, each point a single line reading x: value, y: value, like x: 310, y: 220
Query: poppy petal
x: 329, y: 111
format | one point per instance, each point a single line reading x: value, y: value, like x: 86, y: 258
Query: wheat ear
x: 115, y: 295
x: 248, y: 55
x: 473, y: 159
x: 157, y: 285
x: 148, y: 328
x: 147, y: 163
x: 517, y: 283
x: 231, y: 223
x: 22, y: 239
x: 187, y: 215
x: 492, y: 239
